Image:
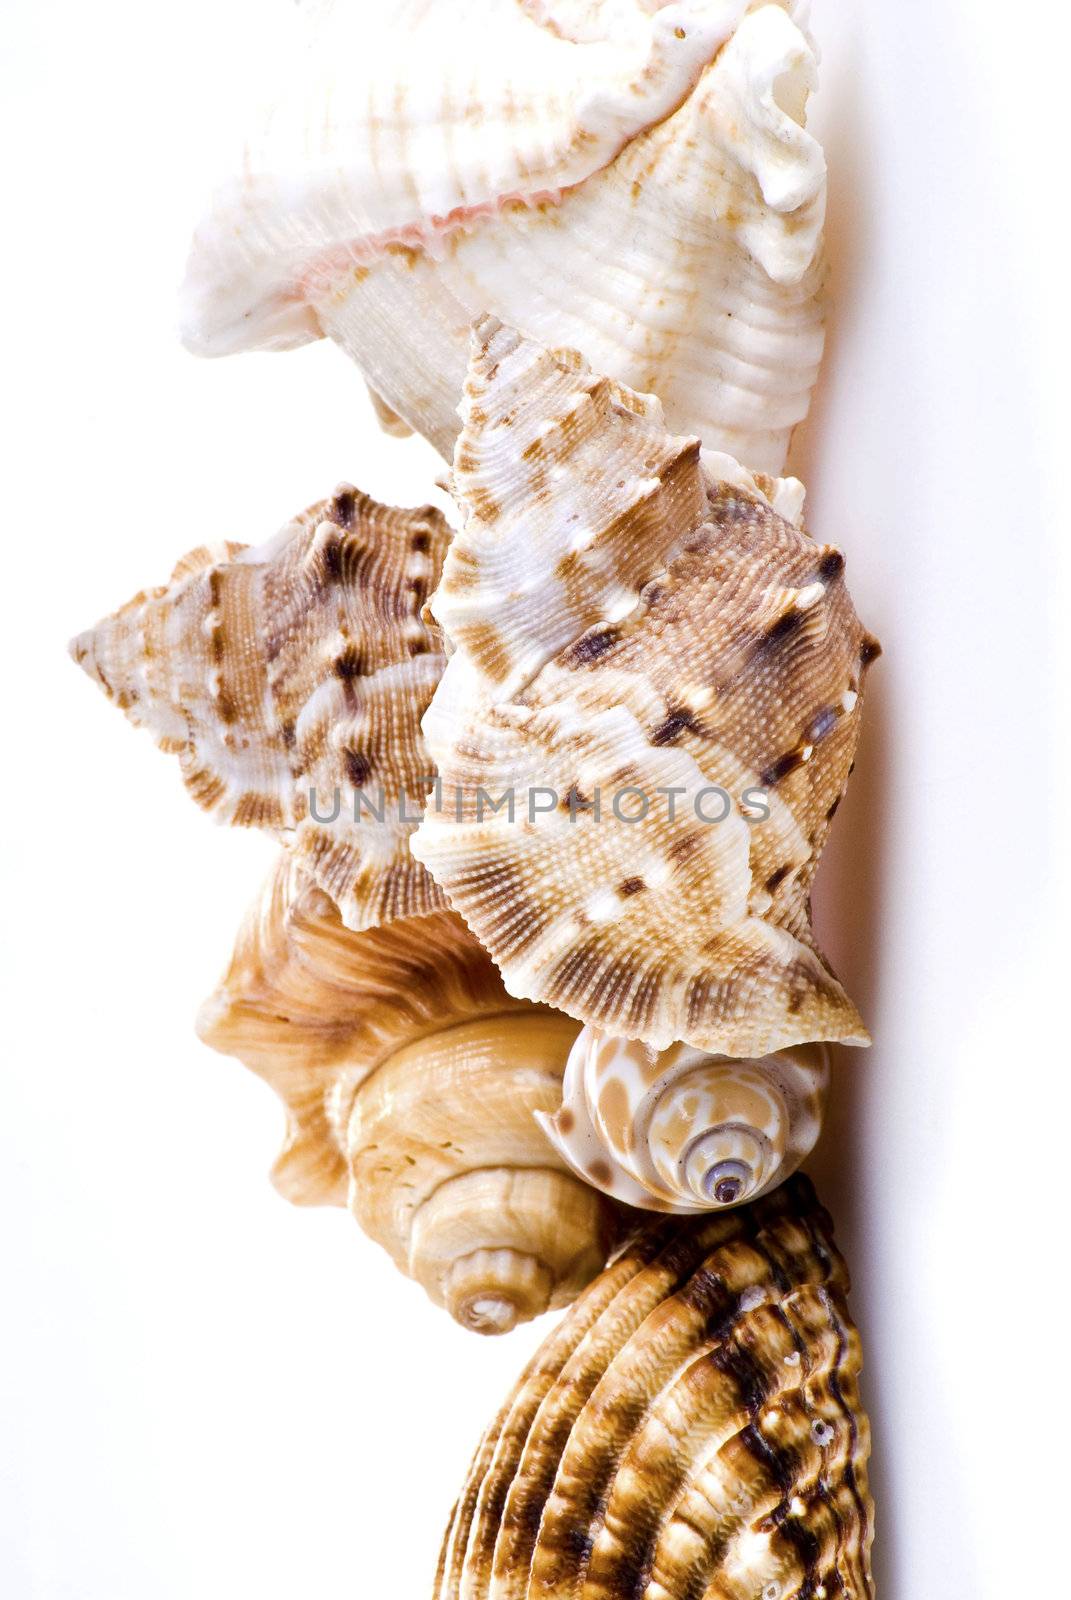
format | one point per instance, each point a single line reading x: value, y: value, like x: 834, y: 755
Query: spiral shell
x: 680, y: 1130
x: 631, y: 178
x: 692, y: 1428
x: 656, y: 680
x: 289, y: 679
x: 412, y: 1083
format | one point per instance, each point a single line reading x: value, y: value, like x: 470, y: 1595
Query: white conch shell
x: 630, y: 179
x: 290, y: 680
x: 680, y: 1130
x: 412, y: 1083
x: 627, y: 628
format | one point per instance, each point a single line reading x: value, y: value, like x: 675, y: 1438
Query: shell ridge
x: 697, y: 1323
x: 667, y: 1515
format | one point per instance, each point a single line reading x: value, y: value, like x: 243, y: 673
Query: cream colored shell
x: 628, y: 178
x: 665, y: 675
x: 290, y: 680
x: 451, y: 1174
x: 680, y: 1130
x: 412, y: 1082
x: 691, y: 1428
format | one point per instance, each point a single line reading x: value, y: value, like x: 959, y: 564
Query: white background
x: 208, y: 1394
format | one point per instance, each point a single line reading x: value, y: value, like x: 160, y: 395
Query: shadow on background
x: 854, y: 873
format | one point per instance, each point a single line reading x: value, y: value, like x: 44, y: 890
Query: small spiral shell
x: 680, y: 1130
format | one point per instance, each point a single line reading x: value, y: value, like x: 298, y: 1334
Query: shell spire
x: 692, y: 1427
x: 412, y: 1084
x: 451, y: 157
x: 290, y: 680
x: 647, y: 722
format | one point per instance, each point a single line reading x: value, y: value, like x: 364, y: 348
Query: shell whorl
x: 450, y: 1173
x: 691, y: 1428
x: 412, y: 1082
x: 629, y: 628
x: 290, y: 680
x: 680, y: 1130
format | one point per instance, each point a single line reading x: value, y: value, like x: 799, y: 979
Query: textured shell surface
x: 692, y: 1428
x: 665, y: 676
x: 680, y: 1130
x: 412, y: 1084
x: 449, y: 157
x: 291, y: 676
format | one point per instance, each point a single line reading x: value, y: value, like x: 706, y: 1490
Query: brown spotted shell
x: 290, y: 680
x: 691, y: 1430
x: 656, y: 680
x: 412, y: 1084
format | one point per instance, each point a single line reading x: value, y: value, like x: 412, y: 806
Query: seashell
x: 411, y: 1080
x: 656, y: 679
x: 451, y: 158
x: 680, y: 1130
x: 290, y: 680
x: 691, y: 1428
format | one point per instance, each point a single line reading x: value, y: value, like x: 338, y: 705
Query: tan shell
x: 412, y: 1083
x: 290, y: 680
x: 625, y: 624
x: 681, y: 1130
x: 691, y: 1430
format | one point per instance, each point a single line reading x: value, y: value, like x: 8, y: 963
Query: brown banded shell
x: 664, y: 676
x: 290, y: 680
x: 412, y: 1083
x: 691, y: 1430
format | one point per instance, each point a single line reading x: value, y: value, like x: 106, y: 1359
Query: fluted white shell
x: 681, y: 1130
x: 452, y: 157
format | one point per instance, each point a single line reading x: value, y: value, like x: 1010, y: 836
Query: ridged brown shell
x: 292, y: 677
x: 625, y: 624
x: 691, y: 1430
